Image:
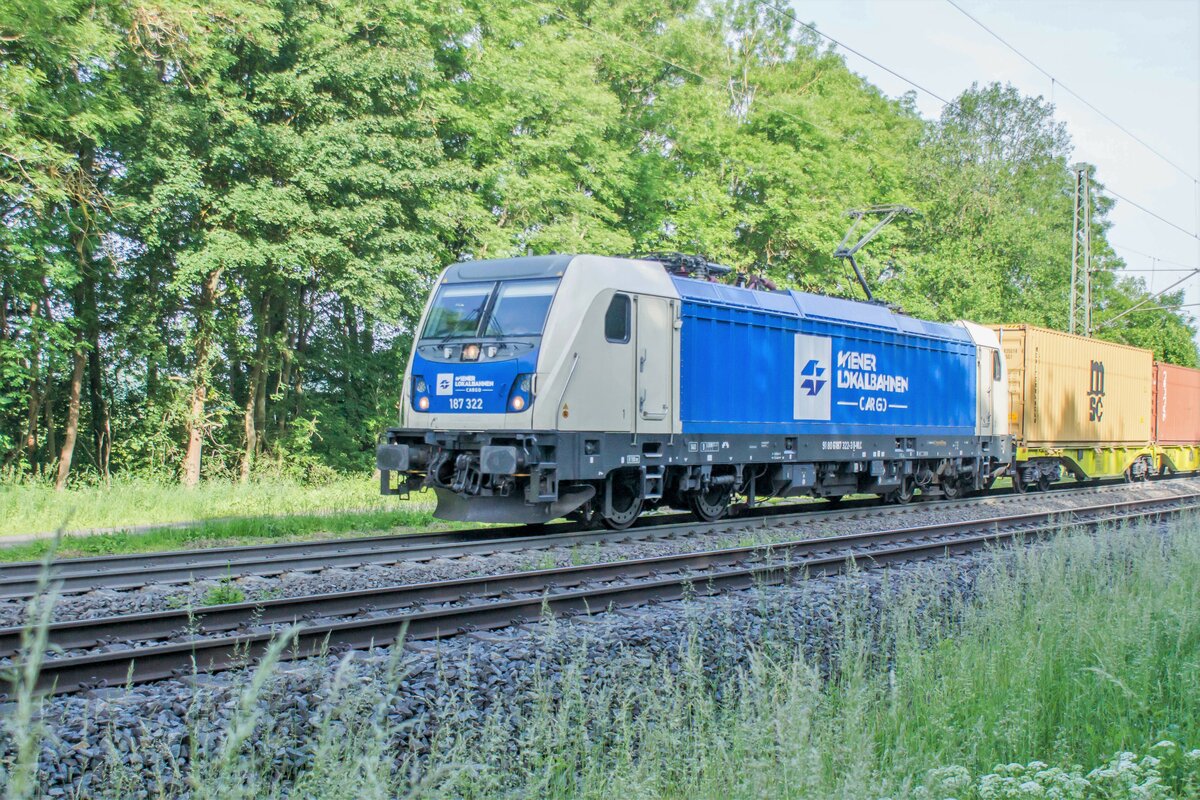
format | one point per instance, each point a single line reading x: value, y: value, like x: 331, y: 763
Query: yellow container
x: 1071, y: 391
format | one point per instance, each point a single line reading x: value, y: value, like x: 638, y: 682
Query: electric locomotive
x: 598, y: 388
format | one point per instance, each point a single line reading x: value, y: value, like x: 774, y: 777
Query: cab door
x: 984, y: 368
x: 599, y: 390
x: 655, y: 379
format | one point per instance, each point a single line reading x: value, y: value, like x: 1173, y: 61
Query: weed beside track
x: 1034, y: 667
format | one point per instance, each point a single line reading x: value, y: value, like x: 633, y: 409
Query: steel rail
x: 95, y: 631
x: 20, y: 580
x: 727, y: 571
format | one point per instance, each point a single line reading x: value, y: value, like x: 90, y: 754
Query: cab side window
x: 617, y: 320
x: 996, y: 372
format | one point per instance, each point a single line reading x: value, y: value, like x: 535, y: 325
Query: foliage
x: 224, y: 593
x: 220, y: 220
x: 1068, y: 672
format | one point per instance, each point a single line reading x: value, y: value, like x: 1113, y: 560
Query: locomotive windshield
x: 493, y: 309
x: 520, y: 308
x: 457, y: 309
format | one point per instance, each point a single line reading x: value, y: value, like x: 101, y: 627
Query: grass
x: 224, y: 593
x: 1088, y: 649
x: 226, y: 513
x: 1071, y: 671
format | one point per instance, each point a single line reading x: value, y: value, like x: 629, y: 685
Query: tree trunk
x: 260, y: 402
x: 304, y: 323
x: 30, y: 442
x: 68, y: 448
x: 101, y: 425
x: 251, y: 433
x: 48, y: 408
x: 48, y: 393
x: 79, y: 239
x: 285, y: 380
x: 255, y: 390
x: 196, y: 420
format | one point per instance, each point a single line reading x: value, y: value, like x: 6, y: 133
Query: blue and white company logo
x: 813, y: 363
x: 445, y: 383
x: 812, y: 372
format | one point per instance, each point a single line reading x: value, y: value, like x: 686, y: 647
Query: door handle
x: 650, y: 414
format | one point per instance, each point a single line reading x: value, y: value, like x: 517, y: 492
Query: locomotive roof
x: 508, y: 268
x: 816, y: 306
x: 788, y: 303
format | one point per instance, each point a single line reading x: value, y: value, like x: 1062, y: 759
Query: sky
x: 1138, y: 61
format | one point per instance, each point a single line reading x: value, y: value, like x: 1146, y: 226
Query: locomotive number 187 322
x: 470, y: 403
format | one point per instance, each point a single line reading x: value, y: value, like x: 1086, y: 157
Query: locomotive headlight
x: 520, y: 396
x: 470, y: 352
x: 492, y: 350
x: 420, y: 389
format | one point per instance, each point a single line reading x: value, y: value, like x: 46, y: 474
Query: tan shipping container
x: 1071, y: 391
x: 1176, y: 404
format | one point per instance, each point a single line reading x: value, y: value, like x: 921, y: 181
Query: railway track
x: 20, y: 580
x: 168, y: 644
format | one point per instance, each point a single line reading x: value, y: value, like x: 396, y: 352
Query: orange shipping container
x: 1176, y: 404
x: 1071, y: 391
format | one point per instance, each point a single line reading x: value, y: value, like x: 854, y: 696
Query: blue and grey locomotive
x: 601, y: 387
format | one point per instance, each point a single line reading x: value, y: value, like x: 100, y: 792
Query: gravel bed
x: 154, y: 597
x: 697, y: 576
x: 149, y: 733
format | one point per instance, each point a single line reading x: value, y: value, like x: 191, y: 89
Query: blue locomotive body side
x: 794, y: 363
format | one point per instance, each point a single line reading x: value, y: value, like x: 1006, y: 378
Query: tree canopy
x: 221, y: 220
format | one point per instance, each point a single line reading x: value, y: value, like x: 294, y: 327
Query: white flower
x: 950, y: 778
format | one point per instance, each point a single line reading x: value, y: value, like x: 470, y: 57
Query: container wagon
x: 1077, y: 404
x: 1177, y: 417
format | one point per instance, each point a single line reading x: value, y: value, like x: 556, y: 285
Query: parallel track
x: 382, y: 615
x: 19, y: 580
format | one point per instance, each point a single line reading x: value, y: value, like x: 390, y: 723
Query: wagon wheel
x: 1018, y: 483
x: 626, y: 503
x: 1044, y: 483
x: 712, y: 504
x: 904, y: 494
x: 952, y: 489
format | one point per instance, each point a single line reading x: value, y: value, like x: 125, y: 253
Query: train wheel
x: 1044, y: 483
x: 1019, y: 485
x: 952, y: 489
x: 904, y: 494
x: 711, y: 505
x: 626, y: 505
